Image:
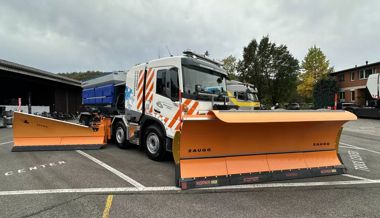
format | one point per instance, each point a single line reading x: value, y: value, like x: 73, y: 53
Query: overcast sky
x: 70, y: 35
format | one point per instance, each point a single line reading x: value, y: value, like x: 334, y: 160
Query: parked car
x: 8, y: 118
x: 3, y: 122
x: 347, y: 106
x: 293, y: 106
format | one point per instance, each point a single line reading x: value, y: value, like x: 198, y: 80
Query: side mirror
x: 219, y: 80
x: 198, y: 88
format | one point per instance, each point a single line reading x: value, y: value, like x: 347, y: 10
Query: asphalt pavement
x: 114, y: 182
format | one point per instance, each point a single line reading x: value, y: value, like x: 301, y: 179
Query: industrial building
x: 38, y: 87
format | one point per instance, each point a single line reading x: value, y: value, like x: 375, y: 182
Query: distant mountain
x: 83, y: 76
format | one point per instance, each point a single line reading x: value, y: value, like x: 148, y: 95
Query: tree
x: 230, y: 66
x: 306, y: 86
x: 324, y: 92
x: 315, y: 66
x: 271, y: 68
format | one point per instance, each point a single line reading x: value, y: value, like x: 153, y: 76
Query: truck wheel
x: 154, y: 143
x: 120, y: 135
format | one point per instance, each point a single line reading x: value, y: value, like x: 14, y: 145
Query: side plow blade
x: 231, y: 148
x: 36, y: 133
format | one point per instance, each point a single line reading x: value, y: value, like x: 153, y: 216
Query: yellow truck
x: 243, y: 95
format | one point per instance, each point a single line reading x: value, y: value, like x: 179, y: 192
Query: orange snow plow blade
x: 241, y: 147
x: 36, y: 133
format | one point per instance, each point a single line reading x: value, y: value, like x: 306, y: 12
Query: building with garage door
x: 40, y: 88
x: 352, y: 83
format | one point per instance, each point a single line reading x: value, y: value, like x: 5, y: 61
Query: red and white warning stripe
x: 163, y: 119
x: 139, y: 87
x: 149, y: 87
x: 192, y: 105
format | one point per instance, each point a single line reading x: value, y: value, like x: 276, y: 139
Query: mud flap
x: 232, y: 148
x: 36, y: 133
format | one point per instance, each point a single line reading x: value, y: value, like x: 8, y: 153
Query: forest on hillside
x: 83, y: 76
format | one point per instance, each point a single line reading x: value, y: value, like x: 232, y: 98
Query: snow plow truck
x: 170, y: 109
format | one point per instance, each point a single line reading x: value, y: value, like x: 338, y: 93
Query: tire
x: 154, y: 143
x: 120, y: 135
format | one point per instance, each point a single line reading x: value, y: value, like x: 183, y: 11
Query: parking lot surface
x: 114, y: 182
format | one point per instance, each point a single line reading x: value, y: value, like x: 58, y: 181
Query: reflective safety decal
x: 149, y: 87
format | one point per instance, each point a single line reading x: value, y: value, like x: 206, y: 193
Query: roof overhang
x: 33, y: 72
x: 357, y: 68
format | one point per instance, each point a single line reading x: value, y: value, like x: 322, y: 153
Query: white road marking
x: 3, y: 143
x: 358, y: 148
x: 357, y: 161
x: 36, y: 167
x: 356, y: 177
x: 343, y: 146
x: 299, y: 184
x: 113, y: 170
x: 178, y: 190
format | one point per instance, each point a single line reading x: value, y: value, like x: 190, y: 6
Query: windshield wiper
x: 202, y: 93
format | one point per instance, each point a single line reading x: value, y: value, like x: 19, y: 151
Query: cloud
x: 63, y: 36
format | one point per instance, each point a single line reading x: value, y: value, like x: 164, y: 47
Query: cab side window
x: 161, y: 83
x: 174, y: 84
x: 241, y: 96
x: 167, y: 83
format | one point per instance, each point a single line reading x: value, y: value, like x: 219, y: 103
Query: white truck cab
x: 155, y: 92
x: 373, y: 85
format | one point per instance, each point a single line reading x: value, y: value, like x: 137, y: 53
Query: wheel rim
x: 152, y: 143
x: 120, y: 135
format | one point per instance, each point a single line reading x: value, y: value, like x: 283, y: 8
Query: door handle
x: 157, y: 111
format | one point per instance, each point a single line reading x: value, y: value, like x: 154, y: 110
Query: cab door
x: 165, y: 103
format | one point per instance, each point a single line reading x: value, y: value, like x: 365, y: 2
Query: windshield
x: 246, y: 96
x: 252, y: 97
x: 207, y: 81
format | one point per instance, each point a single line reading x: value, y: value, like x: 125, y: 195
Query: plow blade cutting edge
x: 36, y: 133
x: 231, y: 148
